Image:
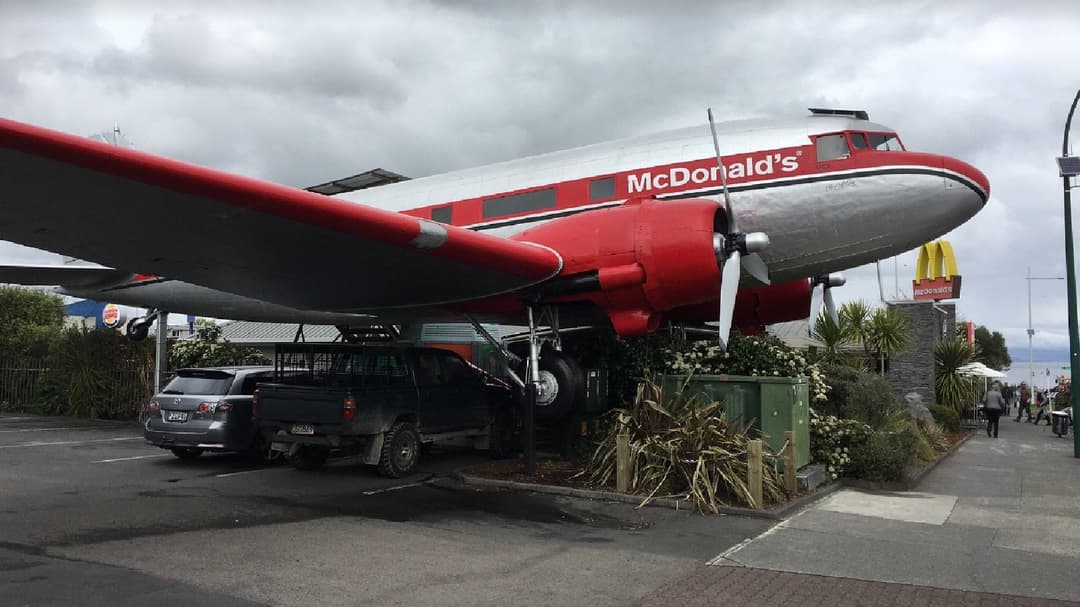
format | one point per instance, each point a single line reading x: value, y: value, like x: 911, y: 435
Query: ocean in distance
x: 1045, y: 372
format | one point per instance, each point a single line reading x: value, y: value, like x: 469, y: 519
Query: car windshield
x: 185, y: 384
x: 885, y: 142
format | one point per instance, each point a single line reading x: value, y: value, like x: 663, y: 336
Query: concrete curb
x: 775, y: 514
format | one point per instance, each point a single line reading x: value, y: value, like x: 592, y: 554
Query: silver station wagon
x: 208, y: 410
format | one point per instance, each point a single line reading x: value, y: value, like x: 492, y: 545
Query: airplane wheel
x: 137, y: 330
x: 561, y: 381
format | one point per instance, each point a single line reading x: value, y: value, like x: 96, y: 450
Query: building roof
x: 795, y: 334
x: 249, y: 332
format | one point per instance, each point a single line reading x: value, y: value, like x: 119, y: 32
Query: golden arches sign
x: 936, y: 276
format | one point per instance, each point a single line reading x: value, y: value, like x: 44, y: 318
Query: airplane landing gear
x: 139, y: 328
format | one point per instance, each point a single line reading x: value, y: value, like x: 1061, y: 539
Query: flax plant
x: 681, y: 447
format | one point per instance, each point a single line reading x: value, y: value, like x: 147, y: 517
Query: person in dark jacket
x: 1025, y: 402
x: 993, y: 406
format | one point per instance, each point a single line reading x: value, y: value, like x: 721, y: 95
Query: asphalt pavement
x: 92, y: 515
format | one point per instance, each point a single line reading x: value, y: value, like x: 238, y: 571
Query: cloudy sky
x: 300, y: 93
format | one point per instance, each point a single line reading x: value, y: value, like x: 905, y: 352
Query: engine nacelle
x: 755, y: 308
x: 642, y: 258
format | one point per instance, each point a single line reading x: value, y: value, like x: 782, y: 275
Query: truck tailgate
x: 305, y: 404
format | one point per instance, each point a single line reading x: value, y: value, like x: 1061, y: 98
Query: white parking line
x: 395, y: 488
x: 45, y: 429
x: 125, y: 459
x: 71, y: 442
x: 225, y: 474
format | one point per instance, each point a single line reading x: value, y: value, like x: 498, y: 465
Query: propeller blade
x: 830, y: 305
x: 732, y: 228
x: 815, y: 304
x: 729, y: 288
x: 755, y: 266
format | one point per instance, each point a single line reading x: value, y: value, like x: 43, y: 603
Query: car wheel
x: 561, y: 381
x: 186, y: 452
x: 400, y: 450
x: 308, y: 457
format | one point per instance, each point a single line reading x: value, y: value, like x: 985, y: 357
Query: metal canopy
x: 1069, y: 166
x: 360, y: 181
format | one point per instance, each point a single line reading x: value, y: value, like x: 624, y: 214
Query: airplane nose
x: 969, y: 176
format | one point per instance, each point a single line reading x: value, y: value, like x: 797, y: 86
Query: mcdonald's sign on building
x: 936, y: 276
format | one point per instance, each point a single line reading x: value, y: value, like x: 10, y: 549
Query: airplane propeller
x: 734, y: 251
x: 822, y: 286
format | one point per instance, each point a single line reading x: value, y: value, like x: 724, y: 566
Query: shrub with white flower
x: 755, y: 355
x: 832, y: 440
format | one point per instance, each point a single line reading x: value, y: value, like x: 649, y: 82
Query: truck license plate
x: 176, y: 416
x: 302, y: 429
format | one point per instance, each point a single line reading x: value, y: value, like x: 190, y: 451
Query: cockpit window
x: 858, y: 141
x: 831, y: 147
x: 885, y: 142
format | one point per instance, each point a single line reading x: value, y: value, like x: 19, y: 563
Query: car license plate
x: 176, y: 416
x: 302, y: 429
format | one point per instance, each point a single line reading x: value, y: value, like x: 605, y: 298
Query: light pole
x: 1030, y: 329
x: 1069, y: 169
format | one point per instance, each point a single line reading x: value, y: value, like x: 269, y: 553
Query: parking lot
x: 92, y: 515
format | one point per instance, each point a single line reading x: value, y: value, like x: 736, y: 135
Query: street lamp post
x: 1068, y: 171
x: 1030, y: 329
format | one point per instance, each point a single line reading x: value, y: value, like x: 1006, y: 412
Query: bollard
x: 753, y: 472
x: 622, y: 463
x: 789, y: 463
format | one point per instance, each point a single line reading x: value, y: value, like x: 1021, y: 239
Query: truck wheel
x: 562, y: 380
x: 308, y: 457
x: 186, y: 452
x: 400, y: 450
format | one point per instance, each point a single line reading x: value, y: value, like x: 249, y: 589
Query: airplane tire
x: 564, y: 381
x: 137, y: 330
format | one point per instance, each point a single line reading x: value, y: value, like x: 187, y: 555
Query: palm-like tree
x: 950, y: 388
x: 834, y: 340
x: 856, y: 316
x: 888, y: 333
x: 881, y: 332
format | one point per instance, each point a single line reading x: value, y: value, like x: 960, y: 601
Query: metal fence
x: 19, y: 382
x: 127, y: 388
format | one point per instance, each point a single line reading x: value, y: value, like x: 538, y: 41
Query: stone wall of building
x: 913, y: 371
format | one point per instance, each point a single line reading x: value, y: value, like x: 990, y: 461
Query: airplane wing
x: 71, y: 276
x: 151, y: 215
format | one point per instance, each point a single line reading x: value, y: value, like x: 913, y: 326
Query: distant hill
x: 1020, y: 355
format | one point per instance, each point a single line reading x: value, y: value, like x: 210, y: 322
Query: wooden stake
x: 789, y: 463
x: 753, y: 472
x: 622, y: 463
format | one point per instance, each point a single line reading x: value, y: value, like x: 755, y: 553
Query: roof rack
x: 856, y: 114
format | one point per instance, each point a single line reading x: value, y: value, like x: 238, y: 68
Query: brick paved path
x: 749, y: 587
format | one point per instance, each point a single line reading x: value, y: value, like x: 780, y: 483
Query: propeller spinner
x: 734, y: 250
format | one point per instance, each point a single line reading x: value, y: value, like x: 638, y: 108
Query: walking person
x: 1043, y: 401
x: 993, y: 406
x: 1025, y: 402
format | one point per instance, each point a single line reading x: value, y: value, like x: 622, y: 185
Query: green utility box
x: 771, y: 405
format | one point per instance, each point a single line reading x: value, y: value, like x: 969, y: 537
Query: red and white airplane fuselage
x: 632, y: 226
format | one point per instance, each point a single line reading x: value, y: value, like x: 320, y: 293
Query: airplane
x: 631, y: 234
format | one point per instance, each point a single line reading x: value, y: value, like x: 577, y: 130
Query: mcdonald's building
x: 936, y: 276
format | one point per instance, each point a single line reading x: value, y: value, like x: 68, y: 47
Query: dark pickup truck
x: 379, y: 402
